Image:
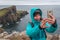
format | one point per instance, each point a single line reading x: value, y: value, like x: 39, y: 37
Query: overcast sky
x: 32, y: 0
x: 28, y: 2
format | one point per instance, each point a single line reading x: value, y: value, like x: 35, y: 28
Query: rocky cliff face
x: 10, y: 15
x: 6, y: 15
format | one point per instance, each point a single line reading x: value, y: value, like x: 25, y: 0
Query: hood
x: 33, y: 10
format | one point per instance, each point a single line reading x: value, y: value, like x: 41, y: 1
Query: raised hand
x: 52, y: 19
x: 43, y: 22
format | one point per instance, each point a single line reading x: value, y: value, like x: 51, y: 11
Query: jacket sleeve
x: 51, y: 27
x: 30, y: 31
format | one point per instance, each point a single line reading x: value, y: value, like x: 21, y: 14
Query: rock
x: 1, y: 30
x: 53, y: 37
x: 9, y: 16
x: 3, y: 34
x: 4, y: 39
x: 13, y: 36
x: 24, y: 36
x: 5, y: 15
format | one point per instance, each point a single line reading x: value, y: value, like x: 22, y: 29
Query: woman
x: 37, y: 31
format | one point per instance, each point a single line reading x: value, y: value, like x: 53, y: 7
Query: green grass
x: 3, y: 12
x: 20, y: 12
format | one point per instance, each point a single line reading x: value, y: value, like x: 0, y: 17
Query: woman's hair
x: 36, y: 14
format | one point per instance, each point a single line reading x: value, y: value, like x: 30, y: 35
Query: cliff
x: 10, y: 15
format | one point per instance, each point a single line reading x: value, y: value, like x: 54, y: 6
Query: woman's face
x: 37, y: 17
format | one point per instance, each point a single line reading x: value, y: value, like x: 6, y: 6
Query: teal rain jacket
x: 36, y: 33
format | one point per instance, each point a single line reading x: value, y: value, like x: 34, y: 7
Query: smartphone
x: 49, y: 12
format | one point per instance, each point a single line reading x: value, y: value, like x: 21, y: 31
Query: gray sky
x: 28, y: 2
x: 33, y: 0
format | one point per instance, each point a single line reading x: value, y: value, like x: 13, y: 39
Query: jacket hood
x: 33, y: 10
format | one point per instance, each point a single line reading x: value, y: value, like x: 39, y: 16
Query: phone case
x: 51, y: 12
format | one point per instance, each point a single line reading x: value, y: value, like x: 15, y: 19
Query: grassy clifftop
x: 3, y: 12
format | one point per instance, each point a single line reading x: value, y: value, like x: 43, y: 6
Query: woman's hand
x: 51, y: 20
x: 43, y: 23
